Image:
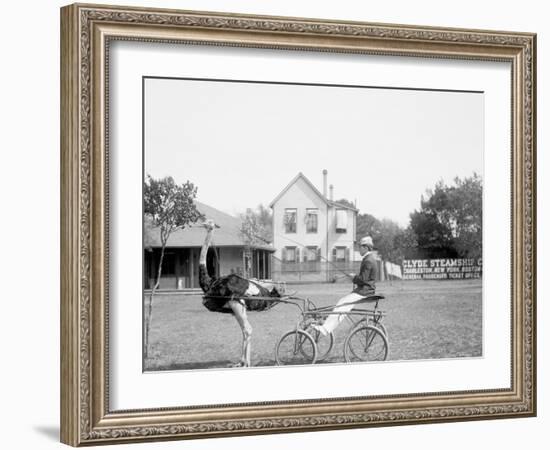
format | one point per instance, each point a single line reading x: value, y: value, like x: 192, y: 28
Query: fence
x: 317, y: 271
x: 417, y: 269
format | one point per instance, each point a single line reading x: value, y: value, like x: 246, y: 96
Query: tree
x: 467, y: 199
x: 257, y: 225
x: 171, y: 207
x: 346, y: 202
x: 449, y: 223
x: 265, y: 217
x: 391, y: 241
x: 433, y: 237
x: 252, y: 230
x: 407, y: 245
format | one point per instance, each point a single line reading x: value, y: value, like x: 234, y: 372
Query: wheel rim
x: 381, y: 327
x: 324, y: 343
x: 296, y: 348
x: 366, y: 344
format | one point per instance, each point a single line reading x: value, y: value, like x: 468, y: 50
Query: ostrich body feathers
x: 237, y: 287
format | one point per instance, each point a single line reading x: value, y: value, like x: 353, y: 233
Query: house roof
x: 314, y: 189
x: 227, y: 235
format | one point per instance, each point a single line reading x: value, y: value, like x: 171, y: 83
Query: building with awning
x: 228, y: 253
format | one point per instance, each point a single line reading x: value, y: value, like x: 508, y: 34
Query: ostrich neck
x: 204, y: 249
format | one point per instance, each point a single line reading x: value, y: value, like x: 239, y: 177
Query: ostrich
x: 239, y: 290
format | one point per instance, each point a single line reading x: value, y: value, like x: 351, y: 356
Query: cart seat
x: 370, y: 299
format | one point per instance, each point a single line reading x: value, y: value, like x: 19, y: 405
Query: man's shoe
x: 320, y: 329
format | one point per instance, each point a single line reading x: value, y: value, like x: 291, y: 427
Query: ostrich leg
x: 240, y: 314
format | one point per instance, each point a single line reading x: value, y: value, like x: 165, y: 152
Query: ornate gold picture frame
x: 87, y: 32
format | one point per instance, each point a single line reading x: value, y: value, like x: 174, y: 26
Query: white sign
x: 436, y: 269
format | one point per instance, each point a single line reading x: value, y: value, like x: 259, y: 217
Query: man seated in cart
x: 364, y: 283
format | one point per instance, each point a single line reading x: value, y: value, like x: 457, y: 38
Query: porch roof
x: 228, y: 235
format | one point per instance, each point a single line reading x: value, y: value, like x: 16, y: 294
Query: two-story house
x: 310, y: 226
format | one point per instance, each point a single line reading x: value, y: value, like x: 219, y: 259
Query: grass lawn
x: 425, y: 320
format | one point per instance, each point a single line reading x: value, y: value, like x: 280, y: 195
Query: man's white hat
x: 367, y: 240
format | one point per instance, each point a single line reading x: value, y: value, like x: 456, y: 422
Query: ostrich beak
x: 210, y: 224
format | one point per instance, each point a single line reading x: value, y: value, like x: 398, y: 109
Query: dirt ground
x: 425, y: 320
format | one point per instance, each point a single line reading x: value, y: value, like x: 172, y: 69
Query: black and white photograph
x: 305, y: 224
x: 242, y: 225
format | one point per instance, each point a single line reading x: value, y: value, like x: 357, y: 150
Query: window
x: 340, y: 254
x: 290, y: 220
x: 341, y: 221
x: 312, y: 254
x: 312, y: 220
x: 290, y: 254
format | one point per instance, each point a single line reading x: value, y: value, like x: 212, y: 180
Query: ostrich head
x: 209, y: 224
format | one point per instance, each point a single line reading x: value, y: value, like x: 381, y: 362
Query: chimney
x: 325, y: 183
x: 331, y: 193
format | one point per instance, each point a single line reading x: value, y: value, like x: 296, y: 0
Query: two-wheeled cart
x: 367, y: 338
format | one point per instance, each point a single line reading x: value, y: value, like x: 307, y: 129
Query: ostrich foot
x: 238, y: 364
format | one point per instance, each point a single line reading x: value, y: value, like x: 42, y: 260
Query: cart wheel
x: 296, y: 347
x: 324, y: 343
x: 381, y: 327
x: 366, y: 343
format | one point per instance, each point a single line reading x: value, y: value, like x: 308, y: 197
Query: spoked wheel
x: 296, y: 348
x: 324, y: 343
x: 380, y: 326
x: 366, y: 343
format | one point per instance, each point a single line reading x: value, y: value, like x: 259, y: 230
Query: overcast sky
x: 241, y: 143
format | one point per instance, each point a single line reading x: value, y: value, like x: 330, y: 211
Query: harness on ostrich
x: 252, y: 294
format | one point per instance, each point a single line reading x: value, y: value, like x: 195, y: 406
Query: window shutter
x: 283, y: 255
x: 318, y: 253
x: 334, y: 253
x: 297, y: 254
x: 341, y: 219
x: 347, y: 254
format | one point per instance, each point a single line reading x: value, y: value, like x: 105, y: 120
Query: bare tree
x: 171, y: 207
x: 256, y: 225
x: 254, y: 229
